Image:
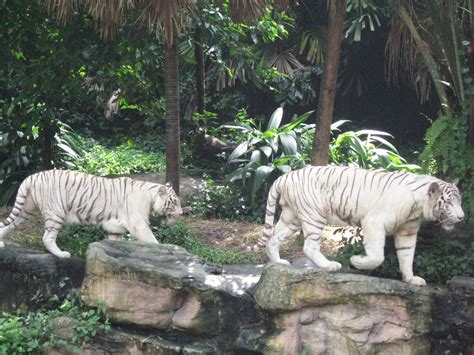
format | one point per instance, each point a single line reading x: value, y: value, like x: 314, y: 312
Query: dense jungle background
x: 227, y: 92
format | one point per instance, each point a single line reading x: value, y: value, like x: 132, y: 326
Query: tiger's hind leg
x: 22, y: 210
x: 374, y: 243
x: 313, y: 231
x: 52, y: 227
x: 287, y: 226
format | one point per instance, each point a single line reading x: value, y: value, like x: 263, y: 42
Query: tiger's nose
x: 460, y: 216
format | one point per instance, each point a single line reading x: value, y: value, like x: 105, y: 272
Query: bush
x: 448, y: 155
x: 126, y: 158
x: 179, y: 234
x: 75, y: 239
x: 220, y: 201
x: 31, y: 332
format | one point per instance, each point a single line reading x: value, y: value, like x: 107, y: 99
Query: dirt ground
x: 232, y: 236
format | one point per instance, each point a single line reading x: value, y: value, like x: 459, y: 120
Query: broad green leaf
x: 261, y: 175
x: 269, y: 133
x: 289, y: 144
x: 247, y: 168
x: 275, y: 119
x: 266, y: 150
x: 241, y: 149
x: 256, y: 156
x: 292, y: 125
x: 373, y: 132
x: 384, y: 142
x: 284, y: 168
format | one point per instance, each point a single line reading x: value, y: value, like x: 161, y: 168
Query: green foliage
x: 75, y: 239
x: 448, y: 156
x: 437, y: 258
x: 126, y: 158
x: 263, y: 155
x: 31, y: 332
x: 367, y: 149
x: 20, y: 153
x: 220, y: 201
x: 266, y: 154
x: 179, y: 234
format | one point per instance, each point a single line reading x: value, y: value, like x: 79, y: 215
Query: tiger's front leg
x: 405, y: 244
x: 141, y: 231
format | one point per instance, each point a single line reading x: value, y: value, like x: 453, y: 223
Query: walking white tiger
x: 69, y: 197
x: 379, y: 202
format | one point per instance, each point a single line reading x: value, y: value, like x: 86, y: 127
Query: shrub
x: 448, y: 155
x: 31, y: 332
x: 179, y: 234
x: 75, y: 239
x: 126, y: 158
x: 220, y: 201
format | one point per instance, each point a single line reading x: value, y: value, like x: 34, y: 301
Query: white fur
x: 381, y: 203
x: 116, y: 205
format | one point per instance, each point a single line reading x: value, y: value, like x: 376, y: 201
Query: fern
x: 448, y: 156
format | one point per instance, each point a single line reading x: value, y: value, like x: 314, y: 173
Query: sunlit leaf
x: 275, y: 119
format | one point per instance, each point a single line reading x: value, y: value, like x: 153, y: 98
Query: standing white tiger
x: 69, y: 197
x: 381, y: 203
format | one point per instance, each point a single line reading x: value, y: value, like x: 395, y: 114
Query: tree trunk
x: 200, y: 83
x: 48, y: 137
x: 470, y: 132
x: 327, y: 93
x: 427, y: 59
x: 172, y: 115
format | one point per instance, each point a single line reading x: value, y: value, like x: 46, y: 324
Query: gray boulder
x: 164, y: 287
x: 340, y: 313
x: 28, y: 278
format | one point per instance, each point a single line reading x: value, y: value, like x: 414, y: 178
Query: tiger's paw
x: 283, y: 262
x: 63, y: 254
x: 417, y: 281
x: 332, y: 266
x: 363, y: 262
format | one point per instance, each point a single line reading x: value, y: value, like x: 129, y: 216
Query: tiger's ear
x: 455, y: 182
x: 434, y: 191
x: 168, y: 184
x: 163, y: 190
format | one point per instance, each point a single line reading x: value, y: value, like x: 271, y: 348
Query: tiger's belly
x: 113, y: 226
x: 337, y: 220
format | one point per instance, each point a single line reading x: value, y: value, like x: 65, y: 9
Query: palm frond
x: 249, y: 10
x: 403, y: 57
x: 285, y: 62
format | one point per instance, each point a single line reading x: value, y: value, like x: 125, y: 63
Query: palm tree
x: 169, y: 17
x: 159, y: 15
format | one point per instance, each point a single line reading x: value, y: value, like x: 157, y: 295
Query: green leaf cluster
x: 32, y: 332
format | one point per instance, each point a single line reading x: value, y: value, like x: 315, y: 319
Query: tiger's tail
x: 16, y: 216
x: 272, y: 202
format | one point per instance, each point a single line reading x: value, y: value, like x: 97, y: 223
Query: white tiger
x: 381, y: 203
x: 69, y: 197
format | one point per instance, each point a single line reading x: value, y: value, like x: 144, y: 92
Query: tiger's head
x: 445, y: 200
x: 168, y: 203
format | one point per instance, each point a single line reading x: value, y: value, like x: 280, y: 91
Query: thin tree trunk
x: 327, y: 93
x: 48, y: 137
x: 427, y: 58
x: 470, y: 134
x: 200, y: 83
x: 172, y: 115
